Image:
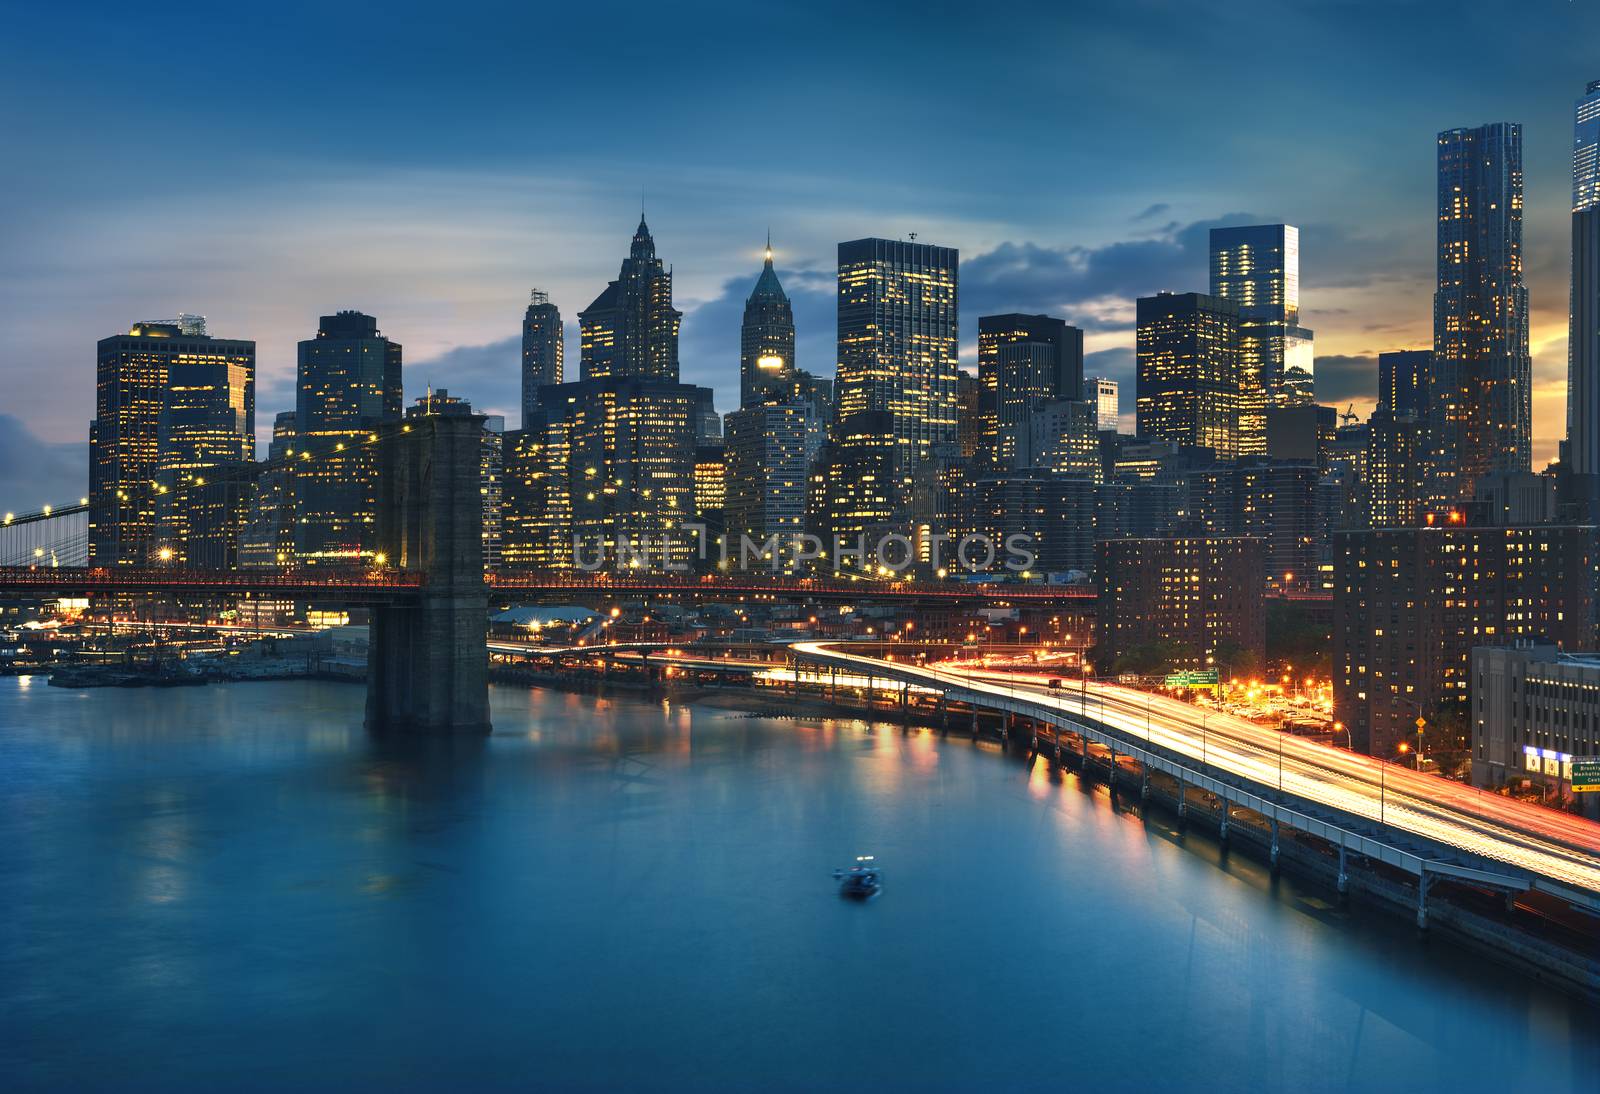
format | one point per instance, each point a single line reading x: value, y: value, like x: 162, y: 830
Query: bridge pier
x: 1343, y: 883
x: 1273, y: 855
x: 1422, y: 900
x: 428, y: 667
x: 1222, y: 828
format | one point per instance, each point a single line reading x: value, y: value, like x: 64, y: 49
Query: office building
x: 631, y: 329
x: 1403, y: 377
x: 1024, y: 361
x: 348, y: 385
x: 1583, y: 332
x: 266, y: 541
x: 1393, y: 486
x: 1103, y: 393
x: 1052, y: 514
x: 1411, y: 603
x: 536, y: 520
x: 1257, y: 267
x: 1189, y: 382
x: 544, y: 351
x: 1060, y: 436
x: 1479, y: 394
x: 855, y: 494
x: 1192, y: 602
x: 1534, y: 709
x: 767, y: 369
x: 169, y: 399
x: 770, y: 449
x: 897, y: 343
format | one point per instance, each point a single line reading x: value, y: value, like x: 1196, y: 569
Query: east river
x: 234, y: 887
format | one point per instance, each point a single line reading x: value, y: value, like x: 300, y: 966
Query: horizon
x: 277, y: 216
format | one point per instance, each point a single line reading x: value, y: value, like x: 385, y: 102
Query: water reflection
x: 238, y: 887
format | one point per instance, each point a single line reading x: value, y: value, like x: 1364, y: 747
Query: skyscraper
x: 1403, y: 381
x: 1479, y: 402
x: 348, y: 384
x: 1103, y: 392
x: 1258, y: 268
x: 1188, y: 371
x: 543, y: 351
x: 1024, y: 361
x: 766, y: 341
x: 769, y: 451
x: 1583, y: 342
x: 166, y: 396
x: 631, y: 329
x: 898, y: 340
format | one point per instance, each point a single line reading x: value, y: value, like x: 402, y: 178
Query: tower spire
x: 769, y: 246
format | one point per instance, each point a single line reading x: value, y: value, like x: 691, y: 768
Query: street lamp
x: 1340, y: 727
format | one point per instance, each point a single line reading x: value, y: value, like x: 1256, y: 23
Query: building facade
x: 1191, y: 602
x: 169, y: 400
x: 767, y: 369
x: 1479, y: 394
x: 1411, y: 603
x: 1257, y: 267
x: 1583, y: 332
x: 544, y: 351
x: 1534, y: 710
x: 897, y: 340
x: 631, y: 329
x: 348, y: 385
x: 1024, y: 362
x: 1103, y: 392
x: 1189, y: 379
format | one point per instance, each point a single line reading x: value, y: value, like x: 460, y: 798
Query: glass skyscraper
x: 1479, y: 398
x: 169, y: 400
x: 1258, y: 268
x: 1583, y: 341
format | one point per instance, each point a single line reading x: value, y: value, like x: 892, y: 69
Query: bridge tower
x: 428, y: 667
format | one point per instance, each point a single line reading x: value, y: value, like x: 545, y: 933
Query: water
x: 233, y: 887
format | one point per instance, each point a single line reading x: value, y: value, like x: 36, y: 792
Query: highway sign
x: 1586, y: 776
x: 1194, y: 678
x: 1421, y: 722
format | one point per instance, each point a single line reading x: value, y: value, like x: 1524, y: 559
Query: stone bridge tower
x: 428, y: 666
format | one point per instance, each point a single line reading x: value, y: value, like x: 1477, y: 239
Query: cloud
x: 34, y: 474
x: 1091, y: 287
x: 1160, y: 208
x: 488, y: 376
x: 1346, y: 378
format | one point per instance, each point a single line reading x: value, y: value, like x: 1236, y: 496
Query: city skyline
x: 446, y: 246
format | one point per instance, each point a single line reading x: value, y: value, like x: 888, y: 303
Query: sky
x: 429, y: 165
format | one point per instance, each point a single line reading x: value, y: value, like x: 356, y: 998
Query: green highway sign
x: 1193, y: 679
x: 1586, y: 776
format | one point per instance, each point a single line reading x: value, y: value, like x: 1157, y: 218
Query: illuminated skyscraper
x: 770, y: 449
x: 631, y: 329
x: 1024, y: 361
x: 1189, y: 378
x: 1103, y: 393
x: 1258, y: 268
x: 898, y: 340
x: 543, y: 351
x: 1583, y: 342
x: 1480, y: 402
x: 169, y: 399
x: 348, y: 385
x: 766, y: 341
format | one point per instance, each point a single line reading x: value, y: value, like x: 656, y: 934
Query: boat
x: 861, y: 881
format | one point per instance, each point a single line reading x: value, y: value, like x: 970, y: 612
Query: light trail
x: 1551, y: 845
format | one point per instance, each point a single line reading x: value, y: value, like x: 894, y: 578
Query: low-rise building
x: 1534, y: 710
